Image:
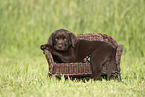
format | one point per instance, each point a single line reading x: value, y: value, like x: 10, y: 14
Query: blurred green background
x: 26, y: 24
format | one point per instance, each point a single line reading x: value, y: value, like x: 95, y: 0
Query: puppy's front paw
x: 42, y: 47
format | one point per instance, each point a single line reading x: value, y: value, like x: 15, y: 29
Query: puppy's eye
x: 56, y: 39
x: 65, y: 39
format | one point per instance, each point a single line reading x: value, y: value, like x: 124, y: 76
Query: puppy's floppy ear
x: 50, y: 40
x: 74, y: 39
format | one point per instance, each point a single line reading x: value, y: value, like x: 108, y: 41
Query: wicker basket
x: 83, y: 69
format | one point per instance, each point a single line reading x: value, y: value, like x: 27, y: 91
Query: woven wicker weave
x: 84, y: 69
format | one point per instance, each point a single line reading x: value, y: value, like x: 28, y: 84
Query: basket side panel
x: 50, y: 61
x: 118, y: 56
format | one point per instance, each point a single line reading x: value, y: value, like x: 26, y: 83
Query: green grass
x: 25, y: 25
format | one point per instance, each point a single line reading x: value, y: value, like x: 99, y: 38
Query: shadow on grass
x: 85, y: 79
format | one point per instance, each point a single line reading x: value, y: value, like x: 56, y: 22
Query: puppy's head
x: 62, y: 39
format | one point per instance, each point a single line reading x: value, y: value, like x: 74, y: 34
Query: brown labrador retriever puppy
x: 65, y: 48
